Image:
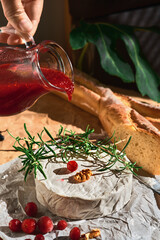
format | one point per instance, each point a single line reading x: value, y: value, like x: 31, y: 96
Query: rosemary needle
x: 67, y: 142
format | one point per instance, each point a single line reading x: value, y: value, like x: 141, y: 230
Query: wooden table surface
x: 49, y: 111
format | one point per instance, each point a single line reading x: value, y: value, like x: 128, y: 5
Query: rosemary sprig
x: 69, y: 143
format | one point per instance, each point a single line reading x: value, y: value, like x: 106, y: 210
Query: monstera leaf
x: 104, y: 36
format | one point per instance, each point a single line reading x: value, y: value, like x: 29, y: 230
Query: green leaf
x: 104, y: 36
x: 25, y: 128
x: 78, y: 36
x: 106, y: 44
x: 146, y: 79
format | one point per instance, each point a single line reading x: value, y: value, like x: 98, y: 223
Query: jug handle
x: 13, y: 31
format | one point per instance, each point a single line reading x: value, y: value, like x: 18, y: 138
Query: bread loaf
x: 117, y: 117
x: 124, y: 116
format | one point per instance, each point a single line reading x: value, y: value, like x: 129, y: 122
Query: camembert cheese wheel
x: 104, y: 193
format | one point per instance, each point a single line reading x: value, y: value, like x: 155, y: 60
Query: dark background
x: 60, y: 16
x: 52, y: 24
x: 144, y: 13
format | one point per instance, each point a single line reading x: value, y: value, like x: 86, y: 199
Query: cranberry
x: 15, y: 225
x: 1, y: 238
x: 39, y: 237
x: 31, y: 209
x: 72, y: 166
x: 45, y: 224
x: 28, y: 225
x: 61, y: 225
x: 75, y: 233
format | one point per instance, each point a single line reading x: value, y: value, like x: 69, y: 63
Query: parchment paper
x: 139, y: 219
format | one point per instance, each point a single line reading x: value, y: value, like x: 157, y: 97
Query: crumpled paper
x: 139, y: 219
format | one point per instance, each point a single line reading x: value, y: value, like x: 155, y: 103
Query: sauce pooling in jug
x: 20, y: 89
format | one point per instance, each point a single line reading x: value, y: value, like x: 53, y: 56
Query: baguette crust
x: 144, y: 108
x: 84, y: 98
x: 155, y: 122
x: 124, y: 116
x: 123, y: 122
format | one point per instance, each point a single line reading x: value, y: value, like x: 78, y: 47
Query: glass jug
x: 30, y: 72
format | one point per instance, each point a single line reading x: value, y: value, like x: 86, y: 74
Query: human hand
x: 23, y: 16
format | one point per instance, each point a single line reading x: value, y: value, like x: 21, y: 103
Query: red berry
x: 1, y: 238
x: 45, y: 224
x: 75, y: 233
x: 15, y: 225
x: 72, y: 166
x: 39, y: 237
x: 28, y: 225
x: 31, y: 209
x: 61, y: 225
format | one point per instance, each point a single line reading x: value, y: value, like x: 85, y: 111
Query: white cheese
x: 104, y: 193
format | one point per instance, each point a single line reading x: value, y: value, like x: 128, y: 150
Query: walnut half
x: 94, y: 233
x: 83, y: 175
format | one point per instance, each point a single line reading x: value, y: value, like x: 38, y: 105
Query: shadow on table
x: 63, y: 111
